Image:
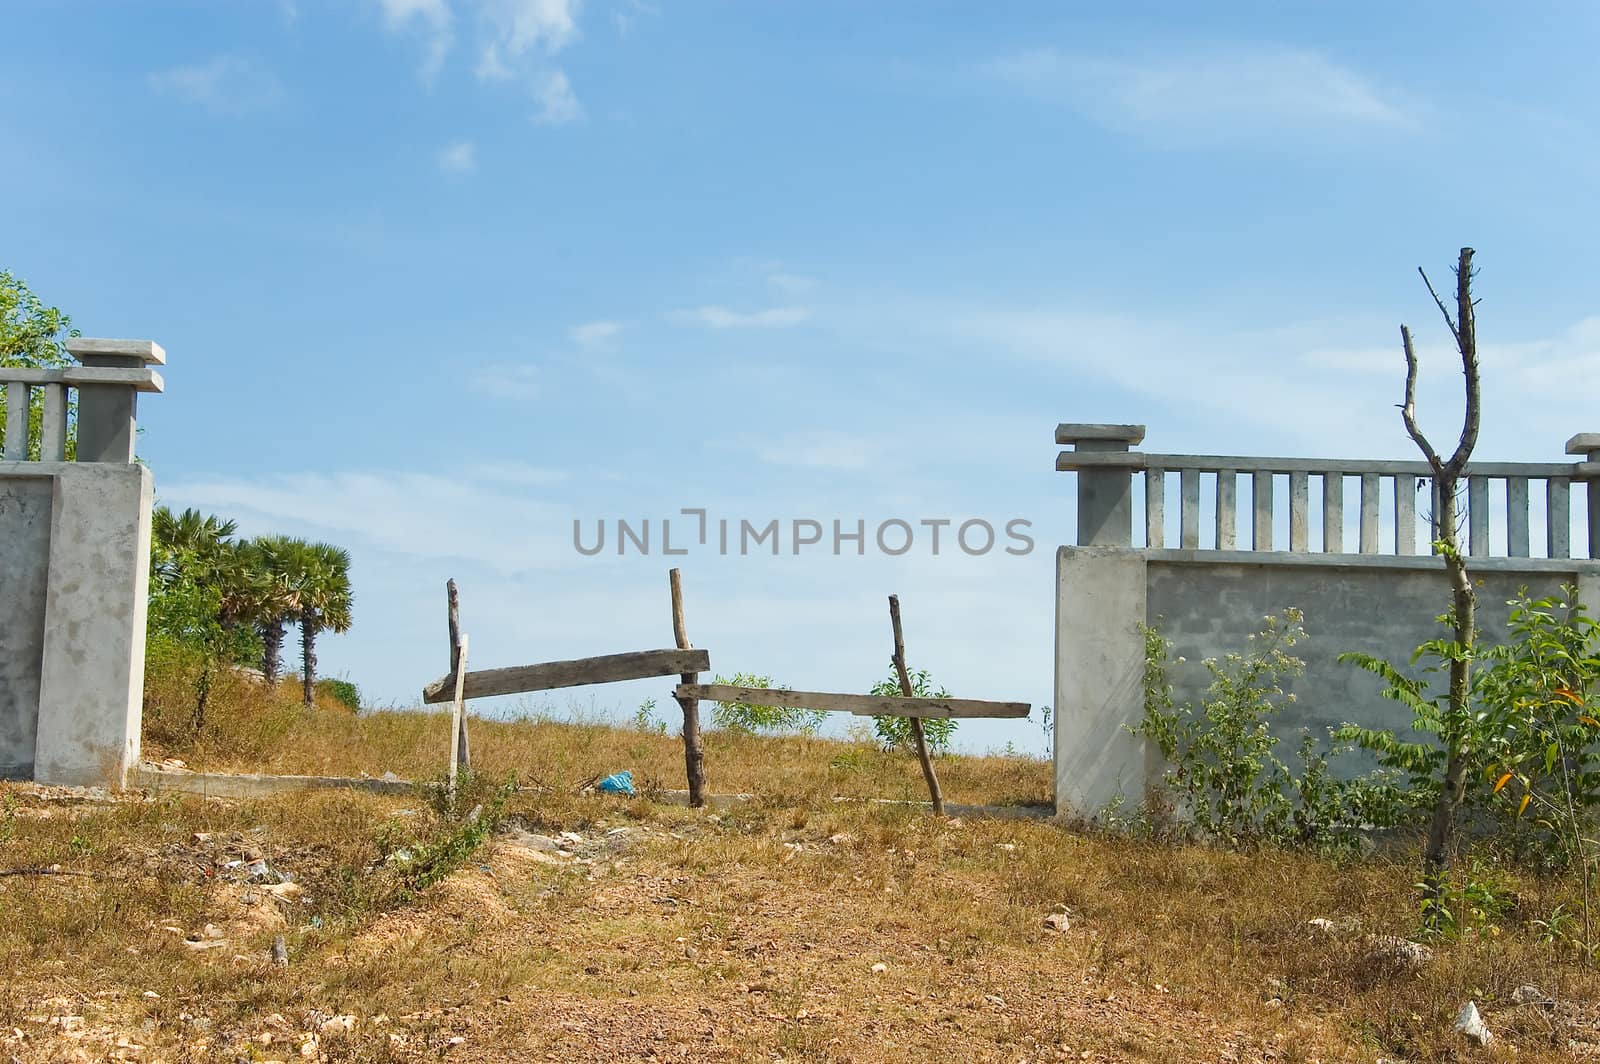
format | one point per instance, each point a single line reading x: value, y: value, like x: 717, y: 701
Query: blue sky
x: 437, y: 277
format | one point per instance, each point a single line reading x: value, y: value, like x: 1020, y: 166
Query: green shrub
x: 1533, y: 744
x: 895, y: 732
x: 343, y: 692
x: 748, y: 719
x: 1225, y: 775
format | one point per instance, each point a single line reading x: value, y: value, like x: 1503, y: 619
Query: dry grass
x: 738, y: 936
x: 677, y: 934
x: 250, y: 730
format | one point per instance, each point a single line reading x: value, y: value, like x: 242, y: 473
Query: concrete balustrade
x: 1193, y: 581
x: 74, y: 566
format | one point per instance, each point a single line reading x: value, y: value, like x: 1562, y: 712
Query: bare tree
x: 1447, y: 475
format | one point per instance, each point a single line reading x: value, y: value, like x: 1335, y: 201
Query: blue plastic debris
x: 616, y: 783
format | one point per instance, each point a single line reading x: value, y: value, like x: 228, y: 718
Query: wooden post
x: 458, y: 717
x: 464, y: 752
x: 916, y: 722
x: 693, y: 753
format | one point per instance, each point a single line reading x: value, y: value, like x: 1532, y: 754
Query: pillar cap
x: 1584, y: 443
x: 147, y: 351
x: 1132, y: 435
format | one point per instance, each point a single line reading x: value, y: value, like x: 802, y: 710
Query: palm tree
x: 319, y: 579
x: 282, y: 603
x: 197, y: 551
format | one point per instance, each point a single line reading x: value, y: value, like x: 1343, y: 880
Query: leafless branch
x: 1408, y: 409
x: 1467, y: 342
x: 1448, y: 320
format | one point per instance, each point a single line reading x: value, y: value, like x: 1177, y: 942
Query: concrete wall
x: 74, y: 570
x: 25, y: 506
x: 1208, y: 603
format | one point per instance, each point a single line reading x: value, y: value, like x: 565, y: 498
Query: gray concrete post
x: 108, y: 413
x: 1100, y: 608
x: 1105, y: 496
x: 1587, y: 444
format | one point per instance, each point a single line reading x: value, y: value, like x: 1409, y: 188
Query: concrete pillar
x: 1100, y: 605
x: 1587, y: 444
x: 91, y: 683
x: 107, y: 413
x: 1105, y: 496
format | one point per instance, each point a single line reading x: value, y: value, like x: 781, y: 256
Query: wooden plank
x: 918, y: 736
x: 458, y: 722
x: 1478, y: 516
x: 694, y: 756
x: 1333, y: 513
x: 1155, y: 507
x: 1299, y: 512
x: 1517, y: 517
x: 453, y: 617
x: 549, y: 675
x: 1370, y: 486
x: 1261, y: 511
x: 16, y: 421
x: 1558, y: 519
x: 860, y: 705
x: 1227, y: 509
x: 1189, y: 509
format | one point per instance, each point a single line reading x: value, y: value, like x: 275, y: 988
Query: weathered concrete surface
x: 1100, y: 603
x: 92, y: 673
x: 158, y: 778
x: 25, y: 506
x: 1384, y: 606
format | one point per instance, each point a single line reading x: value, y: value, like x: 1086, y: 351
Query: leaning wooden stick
x: 458, y: 717
x: 693, y: 753
x: 916, y: 722
x: 465, y: 751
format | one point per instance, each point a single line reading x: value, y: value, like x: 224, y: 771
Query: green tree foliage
x: 895, y: 732
x: 318, y: 578
x: 220, y: 601
x: 1531, y: 737
x: 750, y: 719
x: 33, y: 336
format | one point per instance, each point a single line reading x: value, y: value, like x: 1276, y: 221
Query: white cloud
x: 515, y: 28
x: 628, y: 14
x: 595, y: 334
x: 1206, y: 95
x: 836, y: 451
x: 436, y: 21
x: 509, y: 380
x: 494, y: 520
x: 792, y: 284
x: 225, y: 85
x: 459, y: 159
x: 717, y: 317
x: 556, y: 103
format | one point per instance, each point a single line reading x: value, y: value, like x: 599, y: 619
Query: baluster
x: 1478, y: 515
x: 1405, y: 514
x: 1227, y: 509
x: 1369, y: 512
x: 1155, y: 508
x: 53, y: 426
x: 1299, y: 512
x: 16, y: 421
x: 1558, y: 516
x: 1435, y: 515
x: 1333, y: 513
x: 1189, y: 509
x: 1261, y: 512
x: 1517, y: 517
